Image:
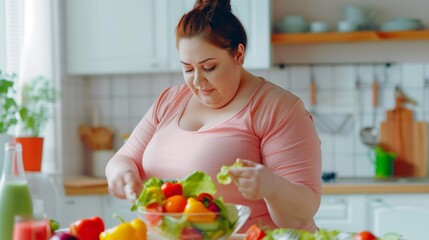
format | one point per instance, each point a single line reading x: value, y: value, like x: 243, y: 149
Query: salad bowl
x: 201, y: 226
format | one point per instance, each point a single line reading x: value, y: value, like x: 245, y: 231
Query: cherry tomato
x: 364, y: 235
x: 170, y: 189
x: 154, y: 210
x: 254, y: 232
x: 175, y: 204
x: 190, y: 233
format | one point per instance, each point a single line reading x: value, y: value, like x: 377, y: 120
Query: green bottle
x: 15, y: 196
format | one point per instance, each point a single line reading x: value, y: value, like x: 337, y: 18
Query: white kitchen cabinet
x: 111, y: 206
x: 78, y: 207
x: 115, y: 36
x: 255, y: 16
x: 403, y: 214
x: 342, y: 212
x: 105, y: 37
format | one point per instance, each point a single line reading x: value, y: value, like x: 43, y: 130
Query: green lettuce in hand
x: 223, y: 176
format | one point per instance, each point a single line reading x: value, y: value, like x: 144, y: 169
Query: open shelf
x: 360, y: 36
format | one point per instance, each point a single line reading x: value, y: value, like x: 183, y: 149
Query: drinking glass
x: 28, y: 227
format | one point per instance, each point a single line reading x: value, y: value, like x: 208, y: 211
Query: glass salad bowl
x: 195, y: 226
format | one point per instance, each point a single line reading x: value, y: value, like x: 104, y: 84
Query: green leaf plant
x: 37, y: 96
x: 8, y: 106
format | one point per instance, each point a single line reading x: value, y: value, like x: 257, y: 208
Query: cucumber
x: 210, y: 226
x: 232, y: 212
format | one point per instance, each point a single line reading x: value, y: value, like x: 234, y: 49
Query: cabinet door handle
x: 70, y: 202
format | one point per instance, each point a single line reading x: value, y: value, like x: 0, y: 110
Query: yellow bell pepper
x: 193, y: 207
x: 135, y: 229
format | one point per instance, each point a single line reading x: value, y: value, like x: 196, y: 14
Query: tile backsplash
x: 343, y: 106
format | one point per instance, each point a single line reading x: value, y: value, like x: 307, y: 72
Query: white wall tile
x: 364, y: 166
x: 124, y: 99
x: 345, y: 77
x: 120, y: 107
x: 323, y: 77
x: 99, y: 86
x: 344, y: 165
x: 413, y: 75
x: 279, y: 77
x: 120, y: 85
x: 160, y: 83
x: 140, y: 85
x: 299, y: 77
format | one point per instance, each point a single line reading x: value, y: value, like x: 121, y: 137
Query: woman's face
x: 211, y: 73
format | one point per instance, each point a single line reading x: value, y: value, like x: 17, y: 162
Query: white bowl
x: 401, y: 25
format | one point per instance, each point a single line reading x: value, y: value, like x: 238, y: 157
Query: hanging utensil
x: 369, y: 135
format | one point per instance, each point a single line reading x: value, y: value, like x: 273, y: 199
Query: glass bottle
x: 15, y: 197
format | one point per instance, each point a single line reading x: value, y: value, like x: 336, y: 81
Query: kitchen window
x: 28, y: 49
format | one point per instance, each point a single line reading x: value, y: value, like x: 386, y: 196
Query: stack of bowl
x: 292, y: 24
x: 402, y: 24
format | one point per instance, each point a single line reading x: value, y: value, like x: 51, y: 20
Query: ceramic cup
x: 319, y: 26
x: 361, y: 16
x: 344, y: 26
x: 293, y: 24
x: 99, y: 160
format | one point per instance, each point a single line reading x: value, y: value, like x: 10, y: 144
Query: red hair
x: 214, y: 21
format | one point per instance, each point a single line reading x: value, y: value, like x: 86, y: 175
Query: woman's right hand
x: 125, y: 185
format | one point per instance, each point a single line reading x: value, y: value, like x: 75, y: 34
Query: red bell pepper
x: 207, y: 200
x: 88, y: 228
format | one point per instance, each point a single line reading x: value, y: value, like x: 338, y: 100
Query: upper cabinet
x: 115, y: 36
x: 136, y: 36
x: 255, y: 16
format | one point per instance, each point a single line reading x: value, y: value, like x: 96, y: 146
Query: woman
x: 223, y: 113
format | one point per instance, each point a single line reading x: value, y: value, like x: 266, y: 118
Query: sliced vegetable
x: 195, y: 206
x: 154, y: 208
x: 136, y: 230
x: 207, y: 200
x: 151, y: 193
x: 223, y: 176
x: 55, y: 225
x: 364, y: 235
x: 175, y: 204
x: 254, y: 232
x: 88, y: 228
x: 170, y: 189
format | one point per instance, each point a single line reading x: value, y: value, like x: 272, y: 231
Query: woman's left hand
x: 253, y: 180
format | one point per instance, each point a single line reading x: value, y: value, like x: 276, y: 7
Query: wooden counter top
x: 84, y: 185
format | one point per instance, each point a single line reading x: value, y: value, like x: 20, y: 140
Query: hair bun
x: 214, y: 5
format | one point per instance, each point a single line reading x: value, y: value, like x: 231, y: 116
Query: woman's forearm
x: 292, y: 205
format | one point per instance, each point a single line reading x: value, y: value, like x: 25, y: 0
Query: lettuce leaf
x: 196, y: 183
x: 223, y: 176
x: 151, y: 193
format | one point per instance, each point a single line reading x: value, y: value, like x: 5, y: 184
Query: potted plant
x: 34, y: 112
x: 8, y: 109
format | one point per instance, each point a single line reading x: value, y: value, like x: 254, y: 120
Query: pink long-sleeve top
x: 273, y: 129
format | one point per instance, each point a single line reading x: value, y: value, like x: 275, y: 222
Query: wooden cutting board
x: 408, y: 138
